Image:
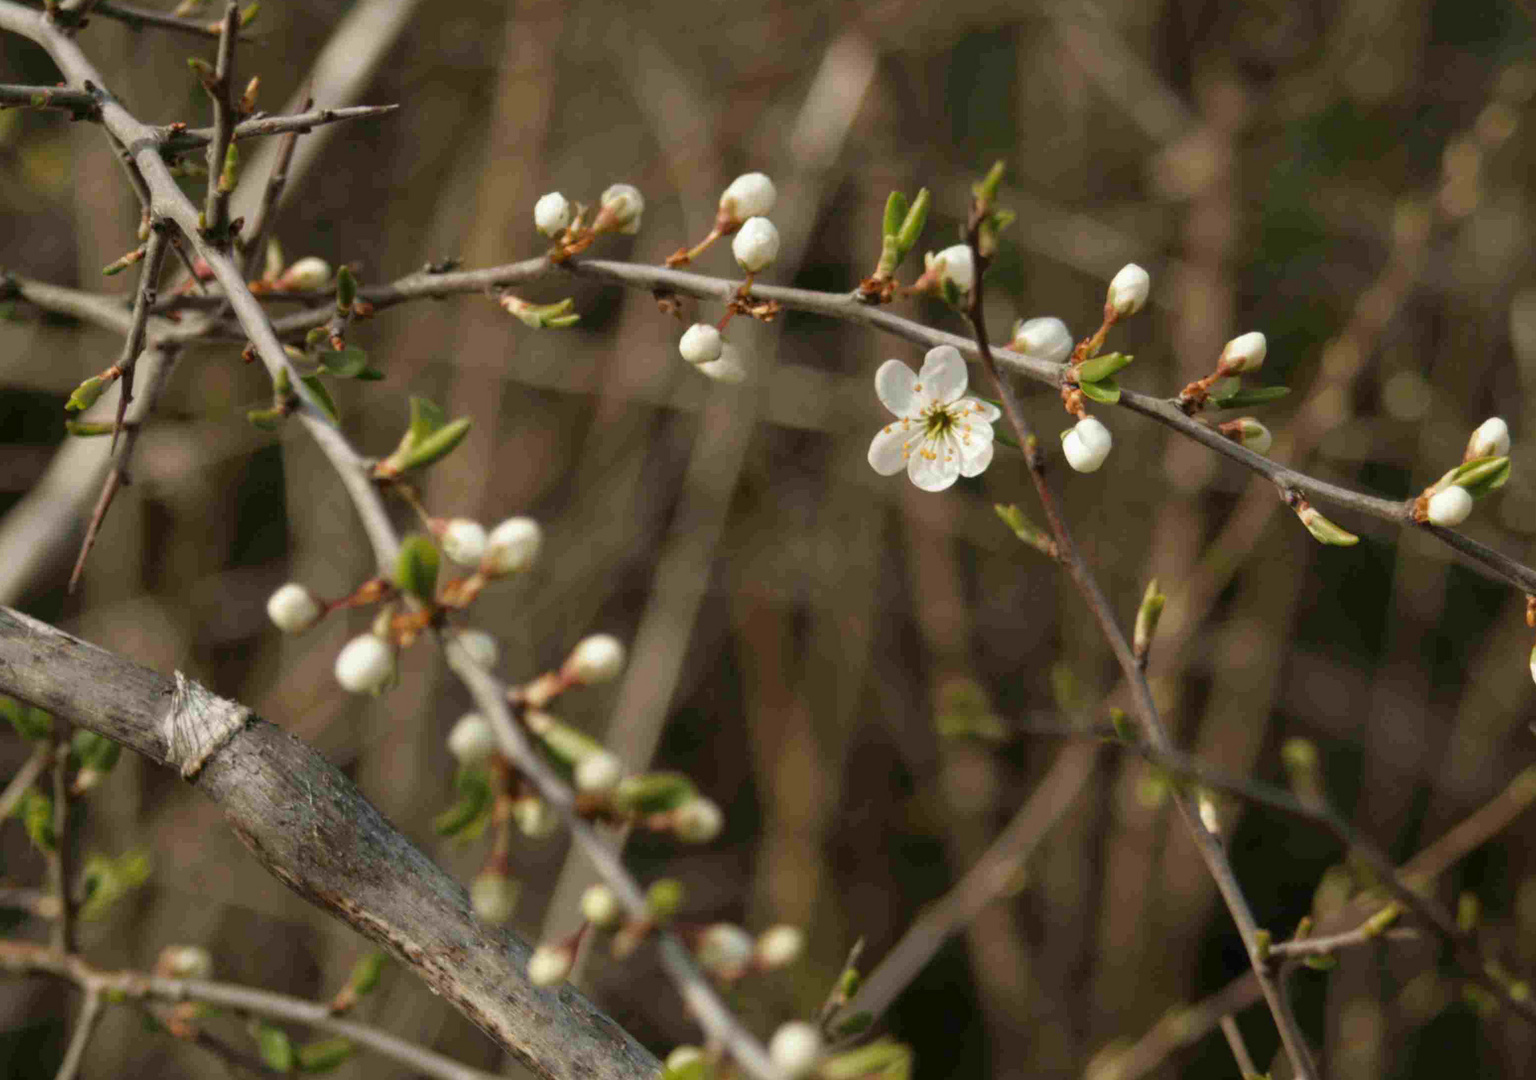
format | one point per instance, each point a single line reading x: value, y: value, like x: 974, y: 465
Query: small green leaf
x: 1325, y: 531
x: 1246, y: 399
x: 964, y: 710
x: 985, y: 189
x: 1321, y: 961
x: 653, y: 793
x: 856, y: 1024
x: 322, y: 397
x: 912, y: 225
x: 108, y: 880
x: 1023, y: 528
x: 468, y: 817
x: 696, y: 1067
x: 885, y: 1058
x: 265, y: 419
x: 94, y: 751
x: 1480, y: 476
x: 37, y: 819
x: 664, y: 897
x: 416, y: 567
x: 366, y: 973
x: 274, y: 1046
x: 895, y: 214
x: 348, y: 363
x: 1102, y: 367
x: 29, y: 723
x: 1105, y: 391
x: 85, y: 429
x: 1124, y: 731
x: 324, y: 1055
x: 437, y: 445
x: 346, y: 288
x: 370, y: 375
x: 426, y: 418
x: 86, y: 394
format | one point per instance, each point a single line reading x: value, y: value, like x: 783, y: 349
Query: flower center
x: 938, y: 421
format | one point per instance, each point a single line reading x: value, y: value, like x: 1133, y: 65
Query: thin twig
x: 60, y: 858
x: 225, y: 117
x: 182, y: 140
x: 25, y: 777
x: 85, y: 1027
x: 143, y: 303
x: 1245, y: 1066
x: 138, y: 18
x: 265, y: 220
x: 80, y: 105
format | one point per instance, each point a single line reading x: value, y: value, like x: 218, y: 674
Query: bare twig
x: 80, y: 105
x: 60, y: 858
x: 265, y: 219
x: 25, y: 777
x: 139, y: 18
x: 1245, y: 1066
x: 85, y: 1027
x: 182, y: 140
x: 222, y: 93
x: 143, y: 303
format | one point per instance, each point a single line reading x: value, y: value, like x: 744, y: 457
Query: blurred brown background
x: 1352, y: 179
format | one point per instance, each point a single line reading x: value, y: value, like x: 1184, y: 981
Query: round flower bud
x: 472, y: 740
x: 365, y: 664
x: 549, y: 965
x: 955, y: 265
x: 1045, y: 338
x: 595, y: 659
x: 1254, y: 435
x: 294, y: 608
x: 512, y: 547
x: 1086, y: 445
x: 700, y: 344
x: 185, y: 962
x: 756, y: 245
x: 1128, y: 290
x: 552, y: 214
x: 624, y: 204
x: 1491, y: 439
x: 750, y: 195
x: 683, y: 1057
x: 599, y: 771
x: 464, y: 541
x: 728, y: 369
x: 493, y: 896
x: 600, y: 907
x: 779, y: 946
x: 480, y: 647
x: 795, y: 1048
x: 698, y: 821
x: 307, y: 274
x: 1243, y: 353
x: 1450, y: 507
x: 724, y: 949
x: 534, y: 818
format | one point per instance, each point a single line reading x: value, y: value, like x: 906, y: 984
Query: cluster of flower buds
x: 703, y: 346
x: 744, y: 208
x: 1483, y: 470
x: 619, y: 210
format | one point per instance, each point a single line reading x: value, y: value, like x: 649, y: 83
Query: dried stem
x: 181, y: 140
x: 222, y: 93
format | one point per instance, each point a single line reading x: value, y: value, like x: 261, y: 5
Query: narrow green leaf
x: 265, y: 419
x: 416, y: 567
x: 1480, y: 476
x: 346, y: 288
x: 654, y: 793
x: 274, y: 1046
x: 366, y: 973
x: 895, y: 214
x: 84, y: 429
x: 468, y: 817
x: 1102, y: 367
x: 324, y: 1055
x: 1321, y: 962
x: 322, y: 396
x: 1325, y: 531
x: 1247, y: 399
x: 348, y: 363
x: 437, y: 445
x: 426, y: 418
x: 1105, y: 391
x: 912, y: 225
x: 86, y: 394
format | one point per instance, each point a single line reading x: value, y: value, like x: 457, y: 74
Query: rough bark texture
x: 316, y: 833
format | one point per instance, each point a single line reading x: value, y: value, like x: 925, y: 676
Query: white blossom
x: 939, y: 434
x: 1450, y: 507
x: 1243, y: 353
x: 365, y: 664
x: 599, y: 906
x: 701, y: 343
x: 293, y: 608
x: 185, y: 962
x: 595, y: 659
x: 724, y: 949
x: 1128, y: 290
x: 624, y: 204
x: 750, y: 195
x: 727, y: 369
x: 306, y: 275
x: 1045, y: 338
x: 756, y: 245
x: 598, y: 772
x: 1086, y: 445
x: 779, y: 946
x: 795, y: 1048
x: 953, y: 264
x: 512, y: 546
x: 1491, y: 439
x: 472, y: 741
x: 552, y: 214
x: 464, y: 541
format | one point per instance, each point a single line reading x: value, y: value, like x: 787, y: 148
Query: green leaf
x: 695, y: 1068
x: 426, y: 418
x: 348, y: 363
x: 265, y: 419
x: 1480, y: 476
x: 1105, y: 391
x: 274, y: 1046
x: 468, y: 817
x: 86, y: 394
x: 322, y: 396
x: 94, y: 751
x: 29, y: 723
x: 370, y: 375
x: 85, y: 429
x: 1246, y: 399
x: 109, y: 880
x: 37, y: 819
x: 324, y: 1055
x: 1325, y: 531
x: 416, y: 567
x: 895, y: 214
x: 912, y: 225
x: 885, y: 1058
x: 1102, y: 367
x: 964, y: 710
x: 367, y: 972
x: 346, y: 288
x: 856, y: 1024
x: 1321, y: 962
x: 654, y: 793
x: 437, y: 445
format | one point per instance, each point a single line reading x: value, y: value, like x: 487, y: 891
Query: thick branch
x: 313, y: 830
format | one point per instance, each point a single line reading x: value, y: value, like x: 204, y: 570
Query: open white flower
x: 939, y: 434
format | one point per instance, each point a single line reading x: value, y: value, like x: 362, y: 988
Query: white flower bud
x: 1491, y: 439
x: 780, y: 946
x: 1243, y: 353
x: 480, y: 647
x: 493, y: 895
x: 534, y: 817
x: 365, y: 664
x: 600, y: 907
x: 756, y: 245
x: 750, y: 195
x: 1045, y: 338
x: 185, y: 962
x: 1450, y: 507
x: 552, y: 214
x: 701, y: 343
x: 294, y: 608
x: 512, y: 546
x: 698, y: 821
x: 1086, y: 445
x: 306, y: 275
x: 1128, y: 290
x: 954, y: 264
x: 724, y: 949
x: 598, y: 772
x: 464, y: 541
x: 472, y: 740
x: 683, y: 1057
x: 624, y: 204
x: 549, y: 965
x: 595, y: 659
x: 795, y: 1048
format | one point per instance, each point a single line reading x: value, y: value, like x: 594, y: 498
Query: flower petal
x: 888, y: 449
x: 934, y: 464
x: 980, y: 410
x: 895, y: 385
x: 975, y: 457
x: 943, y: 377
